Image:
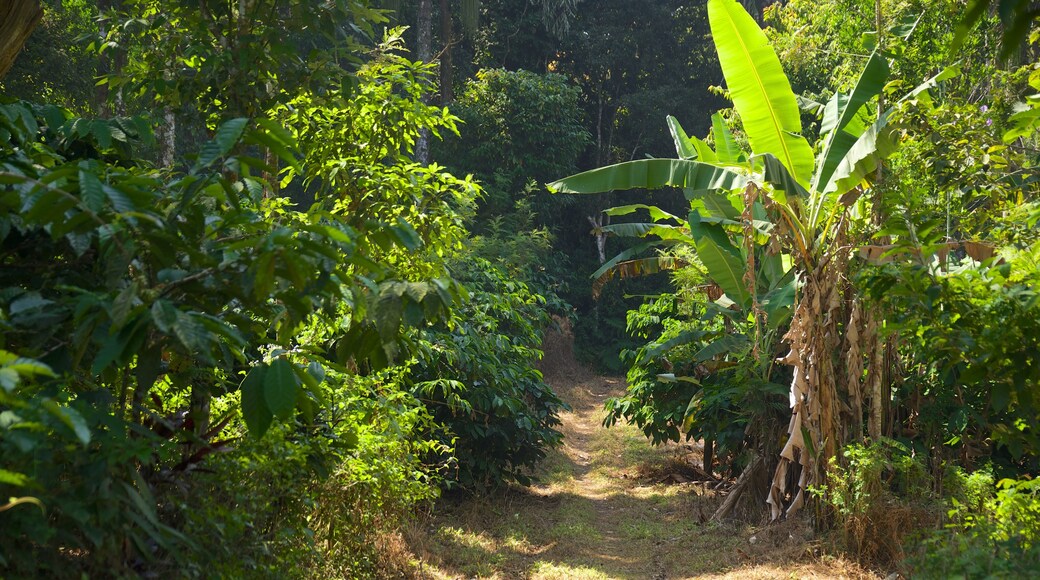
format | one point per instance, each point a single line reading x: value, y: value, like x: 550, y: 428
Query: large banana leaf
x: 684, y: 147
x: 724, y: 267
x: 687, y: 147
x: 873, y: 144
x: 651, y: 174
x: 642, y: 230
x: 759, y: 88
x: 725, y: 145
x: 726, y: 344
x: 839, y: 118
x: 713, y: 203
x: 657, y: 214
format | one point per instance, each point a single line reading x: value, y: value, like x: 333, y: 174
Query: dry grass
x: 608, y: 506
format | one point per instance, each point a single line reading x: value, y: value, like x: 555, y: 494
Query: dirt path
x: 608, y: 505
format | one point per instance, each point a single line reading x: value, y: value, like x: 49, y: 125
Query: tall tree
x: 18, y: 18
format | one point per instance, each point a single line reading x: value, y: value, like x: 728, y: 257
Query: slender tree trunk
x: 424, y: 29
x: 447, y: 69
x: 598, y: 221
x: 168, y: 139
x: 18, y: 18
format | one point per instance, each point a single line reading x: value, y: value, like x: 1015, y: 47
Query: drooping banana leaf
x: 776, y: 174
x: 809, y: 106
x: 714, y: 204
x: 722, y: 345
x: 661, y: 348
x: 874, y: 144
x: 779, y: 302
x: 700, y: 228
x: 656, y: 213
x: 725, y: 145
x: 725, y: 268
x: 643, y: 229
x: 633, y: 269
x: 651, y: 174
x: 759, y: 88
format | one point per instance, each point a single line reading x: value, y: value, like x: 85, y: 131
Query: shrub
x: 993, y: 532
x: 875, y: 498
x: 476, y: 375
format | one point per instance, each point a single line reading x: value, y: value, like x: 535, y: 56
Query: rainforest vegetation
x: 277, y: 279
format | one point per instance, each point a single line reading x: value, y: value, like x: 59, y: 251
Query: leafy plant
x: 476, y: 376
x: 805, y: 207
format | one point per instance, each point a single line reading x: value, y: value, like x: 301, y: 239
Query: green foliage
x: 992, y: 530
x: 877, y: 495
x: 53, y: 66
x: 517, y: 127
x: 699, y: 377
x: 476, y: 375
x: 168, y: 304
x: 318, y: 498
x: 357, y: 156
x: 972, y: 331
x: 218, y: 61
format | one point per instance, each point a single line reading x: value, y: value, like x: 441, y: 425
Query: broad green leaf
x: 90, y: 188
x: 254, y: 404
x: 726, y: 344
x: 651, y: 174
x: 779, y: 302
x: 661, y: 348
x: 704, y: 151
x: 683, y: 147
x: 13, y: 478
x: 725, y: 146
x: 190, y: 332
x: 725, y: 268
x: 9, y: 379
x: 71, y: 418
x: 225, y: 138
x: 280, y: 388
x: 840, y: 113
x: 642, y: 230
x: 164, y: 315
x: 671, y: 378
x: 714, y: 204
x: 700, y: 228
x: 780, y: 178
x: 656, y: 213
x: 759, y: 88
x: 28, y: 301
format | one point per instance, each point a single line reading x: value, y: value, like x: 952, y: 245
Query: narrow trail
x: 607, y: 505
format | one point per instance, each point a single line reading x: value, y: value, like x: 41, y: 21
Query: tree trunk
x: 18, y: 18
x: 447, y: 69
x: 168, y: 139
x: 816, y: 338
x: 743, y: 481
x: 424, y: 29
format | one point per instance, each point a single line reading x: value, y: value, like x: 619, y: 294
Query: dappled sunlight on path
x: 606, y: 504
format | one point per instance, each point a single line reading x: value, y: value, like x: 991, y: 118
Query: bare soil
x: 607, y: 505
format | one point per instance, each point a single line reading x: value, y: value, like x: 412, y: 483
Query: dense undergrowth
x: 249, y: 327
x: 201, y: 379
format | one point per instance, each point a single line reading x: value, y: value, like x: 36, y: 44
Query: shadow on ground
x: 607, y: 505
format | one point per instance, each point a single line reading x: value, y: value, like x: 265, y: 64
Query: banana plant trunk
x: 838, y: 360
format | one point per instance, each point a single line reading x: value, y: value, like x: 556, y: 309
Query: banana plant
x: 779, y: 194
